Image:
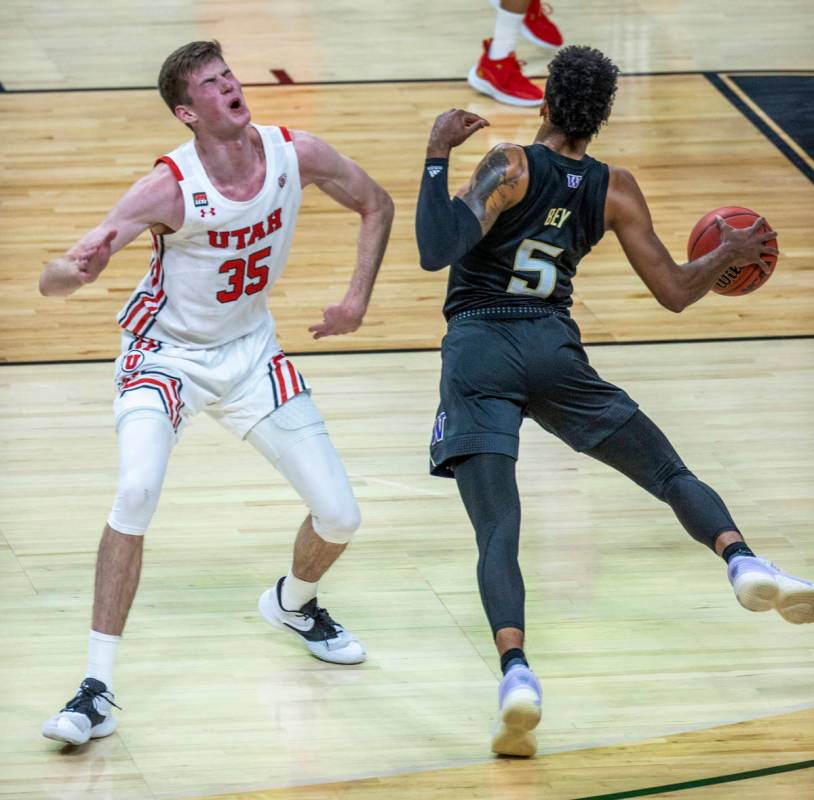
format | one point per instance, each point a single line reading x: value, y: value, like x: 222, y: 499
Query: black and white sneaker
x: 86, y: 716
x: 313, y: 626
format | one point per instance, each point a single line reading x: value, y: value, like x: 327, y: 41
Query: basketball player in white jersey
x: 197, y: 335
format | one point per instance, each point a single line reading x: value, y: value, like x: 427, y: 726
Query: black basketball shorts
x: 496, y: 372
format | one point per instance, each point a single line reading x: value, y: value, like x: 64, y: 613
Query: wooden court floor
x: 656, y: 682
x: 57, y: 183
x: 632, y: 626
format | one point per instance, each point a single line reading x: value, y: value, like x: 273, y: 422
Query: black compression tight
x: 488, y: 489
x: 642, y: 452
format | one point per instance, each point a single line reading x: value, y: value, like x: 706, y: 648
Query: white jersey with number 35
x: 208, y: 282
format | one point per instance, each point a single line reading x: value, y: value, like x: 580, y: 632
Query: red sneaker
x: 503, y: 80
x: 538, y: 28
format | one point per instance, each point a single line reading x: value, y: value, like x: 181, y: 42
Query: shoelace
x: 85, y: 694
x: 514, y: 74
x: 326, y: 625
x: 515, y: 64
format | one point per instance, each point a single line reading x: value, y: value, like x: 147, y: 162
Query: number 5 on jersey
x: 239, y: 271
x: 526, y: 260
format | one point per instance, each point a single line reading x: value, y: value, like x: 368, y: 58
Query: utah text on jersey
x: 256, y: 232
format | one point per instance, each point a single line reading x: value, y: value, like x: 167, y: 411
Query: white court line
x: 398, y: 485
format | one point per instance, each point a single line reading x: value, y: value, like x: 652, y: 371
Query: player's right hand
x: 92, y: 254
x: 452, y: 128
x: 747, y: 245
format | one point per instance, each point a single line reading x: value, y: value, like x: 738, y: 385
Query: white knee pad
x: 146, y: 439
x: 294, y: 439
x: 337, y: 519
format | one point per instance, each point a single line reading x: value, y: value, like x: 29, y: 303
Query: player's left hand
x: 336, y: 320
x: 452, y: 128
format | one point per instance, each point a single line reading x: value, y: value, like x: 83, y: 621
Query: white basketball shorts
x: 237, y: 384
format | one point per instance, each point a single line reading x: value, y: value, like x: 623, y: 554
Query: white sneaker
x: 760, y: 586
x: 88, y: 715
x: 313, y: 626
x: 520, y: 700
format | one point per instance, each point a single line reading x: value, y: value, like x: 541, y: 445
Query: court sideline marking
x: 678, y: 787
x: 397, y: 350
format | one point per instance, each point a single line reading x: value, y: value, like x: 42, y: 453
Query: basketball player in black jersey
x: 514, y: 236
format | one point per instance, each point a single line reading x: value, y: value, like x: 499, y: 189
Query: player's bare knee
x: 338, y: 521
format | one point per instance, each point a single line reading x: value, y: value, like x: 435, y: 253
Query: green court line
x: 677, y: 787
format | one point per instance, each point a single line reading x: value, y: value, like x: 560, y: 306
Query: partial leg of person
x: 641, y: 451
x: 498, y: 73
x: 508, y: 21
x: 475, y: 440
x: 488, y: 488
x: 294, y: 439
x: 146, y: 439
x: 538, y: 27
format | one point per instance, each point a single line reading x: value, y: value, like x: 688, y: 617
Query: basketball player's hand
x: 92, y: 254
x: 336, y: 320
x: 452, y: 128
x: 748, y: 244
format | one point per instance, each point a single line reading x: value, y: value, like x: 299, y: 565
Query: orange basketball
x: 705, y: 237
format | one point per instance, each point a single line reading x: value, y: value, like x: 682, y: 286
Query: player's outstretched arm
x: 348, y: 184
x: 447, y: 229
x: 675, y: 286
x: 154, y: 200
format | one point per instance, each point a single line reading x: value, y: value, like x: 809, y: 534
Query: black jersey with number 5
x: 529, y: 257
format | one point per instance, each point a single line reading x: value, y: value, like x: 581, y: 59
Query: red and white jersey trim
x: 286, y: 381
x: 138, y: 315
x: 179, y: 176
x: 167, y: 386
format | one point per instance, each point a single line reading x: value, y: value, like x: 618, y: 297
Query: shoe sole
x: 268, y: 600
x: 100, y: 731
x: 539, y: 42
x: 515, y: 732
x: 757, y: 592
x: 484, y: 87
x: 794, y: 603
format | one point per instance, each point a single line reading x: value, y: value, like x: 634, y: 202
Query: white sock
x: 296, y: 593
x: 507, y: 29
x: 101, y: 657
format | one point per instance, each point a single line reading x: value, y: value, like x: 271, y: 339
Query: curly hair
x: 172, y: 80
x: 580, y: 90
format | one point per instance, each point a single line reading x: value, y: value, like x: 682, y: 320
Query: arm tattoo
x: 491, y: 178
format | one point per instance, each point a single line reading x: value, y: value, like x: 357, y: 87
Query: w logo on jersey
x: 573, y: 180
x: 438, y: 428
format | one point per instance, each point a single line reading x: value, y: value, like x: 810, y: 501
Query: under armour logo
x: 573, y: 180
x: 434, y: 169
x: 211, y: 212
